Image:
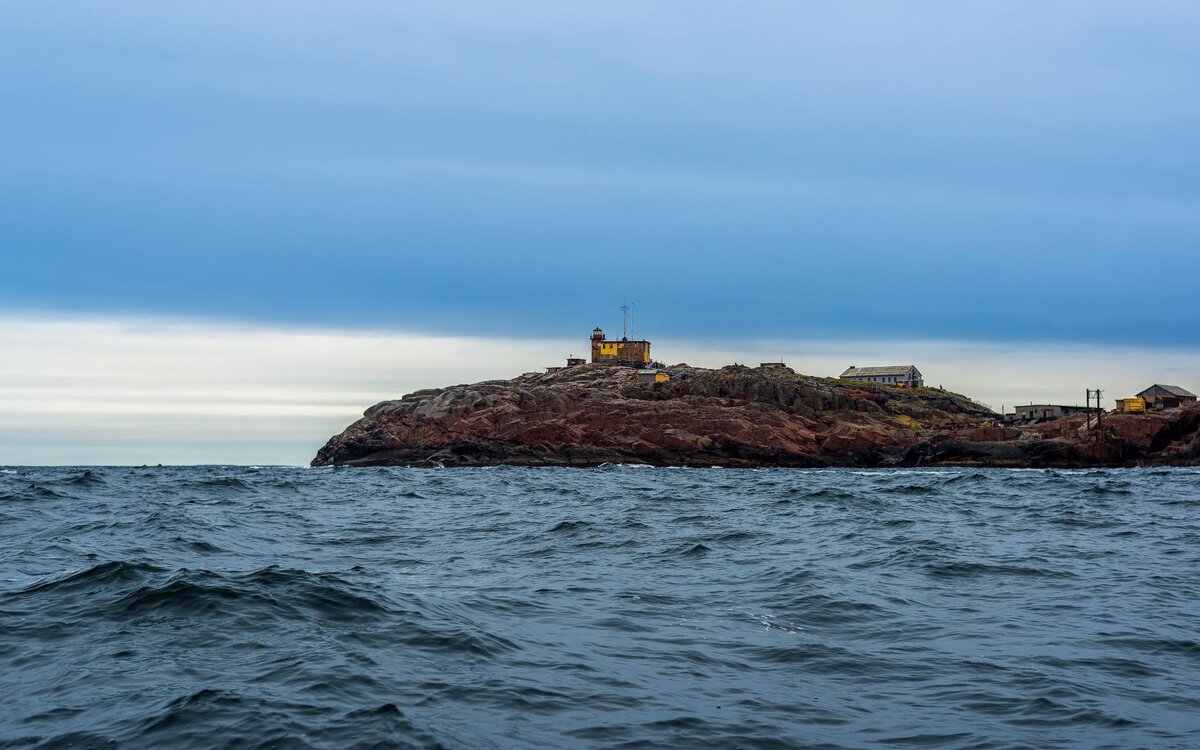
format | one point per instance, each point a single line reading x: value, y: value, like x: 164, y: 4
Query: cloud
x: 105, y: 390
x: 954, y: 170
x: 131, y: 391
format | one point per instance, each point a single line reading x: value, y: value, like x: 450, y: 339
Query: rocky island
x: 735, y: 416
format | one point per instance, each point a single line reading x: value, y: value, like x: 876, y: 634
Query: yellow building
x: 1133, y: 405
x: 623, y: 352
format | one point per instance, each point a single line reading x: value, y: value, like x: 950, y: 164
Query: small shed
x: 650, y: 377
x: 1135, y: 405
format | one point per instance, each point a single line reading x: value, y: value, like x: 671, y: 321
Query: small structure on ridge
x: 1133, y: 405
x: 650, y: 377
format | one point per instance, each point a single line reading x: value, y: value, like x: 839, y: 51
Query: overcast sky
x: 869, y: 178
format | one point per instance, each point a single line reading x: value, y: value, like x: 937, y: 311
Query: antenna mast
x: 624, y: 321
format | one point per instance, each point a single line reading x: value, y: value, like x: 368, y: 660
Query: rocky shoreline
x: 735, y: 416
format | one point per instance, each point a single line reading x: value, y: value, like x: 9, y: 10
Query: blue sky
x: 985, y: 171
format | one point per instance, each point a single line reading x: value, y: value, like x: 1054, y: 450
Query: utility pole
x: 1099, y: 413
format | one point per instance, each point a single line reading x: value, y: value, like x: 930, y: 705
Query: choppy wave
x: 615, y: 607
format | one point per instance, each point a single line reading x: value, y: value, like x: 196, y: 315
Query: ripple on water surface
x: 614, y: 607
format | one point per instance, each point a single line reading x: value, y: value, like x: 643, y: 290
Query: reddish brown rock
x: 735, y: 416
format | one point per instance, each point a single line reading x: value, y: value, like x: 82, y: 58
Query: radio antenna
x: 624, y: 321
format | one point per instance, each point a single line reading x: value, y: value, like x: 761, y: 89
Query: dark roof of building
x: 877, y: 371
x: 1174, y: 390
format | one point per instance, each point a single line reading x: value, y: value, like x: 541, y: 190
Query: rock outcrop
x: 734, y: 416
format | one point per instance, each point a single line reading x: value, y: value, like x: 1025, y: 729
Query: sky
x: 848, y: 182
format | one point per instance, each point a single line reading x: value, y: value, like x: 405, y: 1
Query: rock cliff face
x: 735, y: 416
x: 1169, y: 438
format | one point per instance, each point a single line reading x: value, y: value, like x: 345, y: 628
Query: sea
x: 613, y: 607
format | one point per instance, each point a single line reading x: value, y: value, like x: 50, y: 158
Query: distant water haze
x: 107, y: 390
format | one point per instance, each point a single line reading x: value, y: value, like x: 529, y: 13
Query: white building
x: 906, y: 375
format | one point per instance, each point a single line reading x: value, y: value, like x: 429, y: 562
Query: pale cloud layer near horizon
x: 129, y: 391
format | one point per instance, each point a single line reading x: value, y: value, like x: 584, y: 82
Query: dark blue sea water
x: 618, y: 607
